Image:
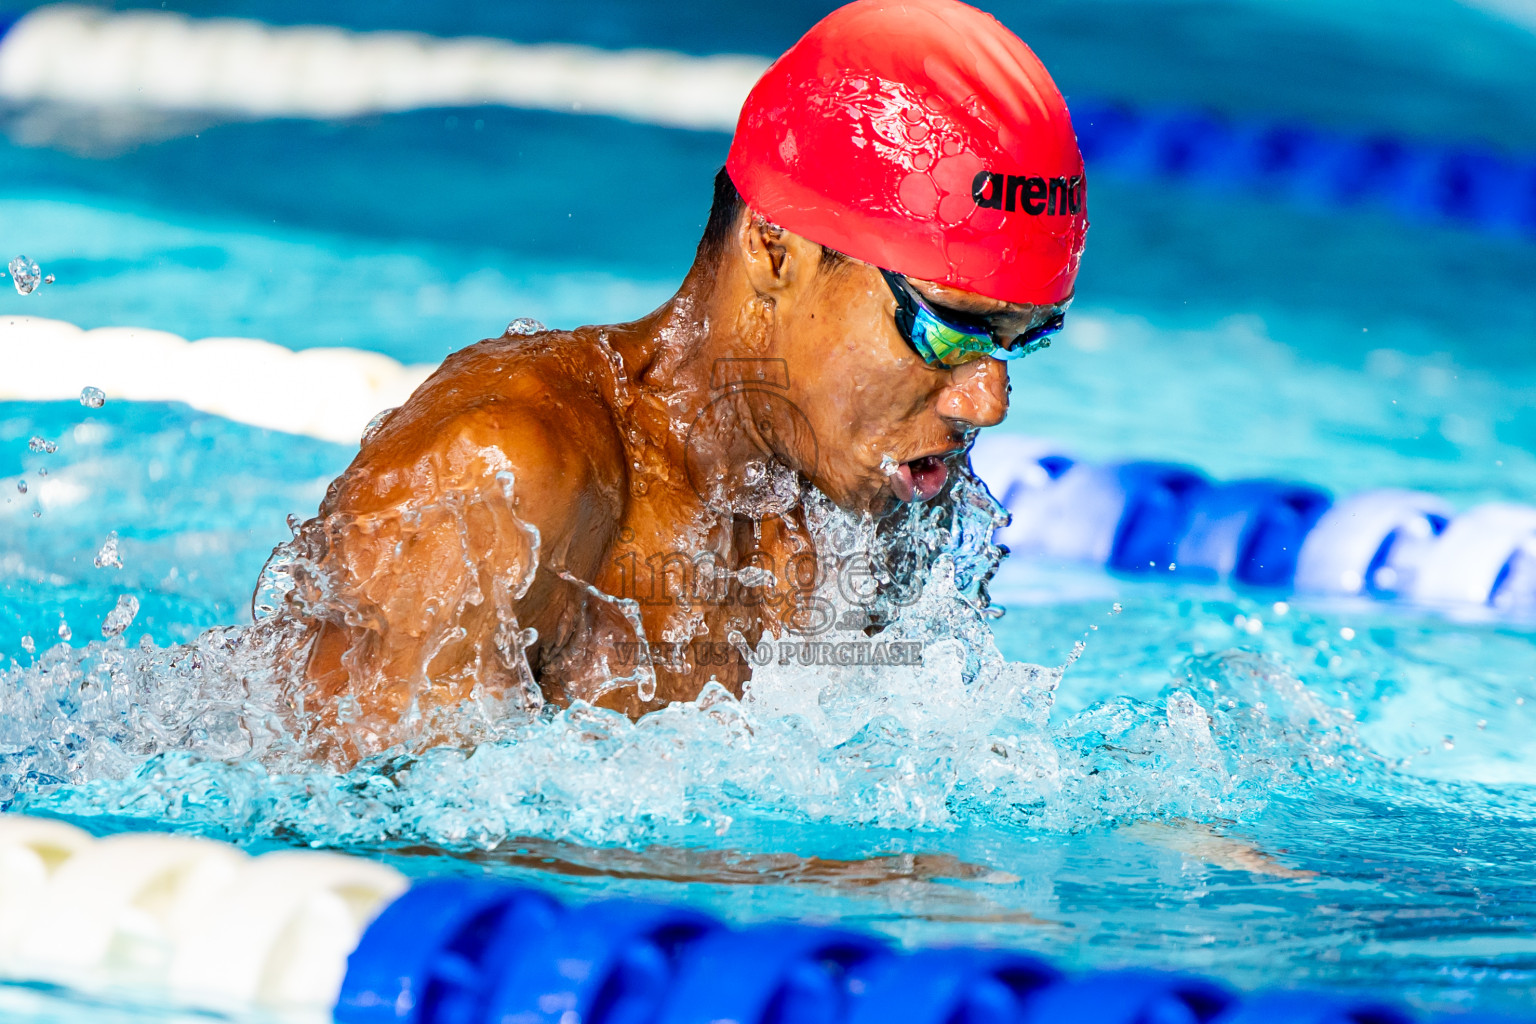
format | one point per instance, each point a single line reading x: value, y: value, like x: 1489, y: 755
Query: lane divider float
x: 1141, y: 518
x: 92, y: 56
x: 1133, y: 518
x: 184, y: 920
x: 329, y: 393
x: 1469, y: 185
x: 326, y: 935
x: 241, y: 69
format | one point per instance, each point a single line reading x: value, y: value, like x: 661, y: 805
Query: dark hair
x: 724, y: 211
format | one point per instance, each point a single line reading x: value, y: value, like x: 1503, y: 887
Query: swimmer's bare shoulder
x: 533, y: 407
x: 433, y: 516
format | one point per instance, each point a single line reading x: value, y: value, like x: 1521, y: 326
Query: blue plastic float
x: 454, y: 952
x: 1474, y: 187
x: 1139, y: 518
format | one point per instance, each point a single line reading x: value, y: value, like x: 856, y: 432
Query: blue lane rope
x: 1140, y: 518
x: 1470, y: 185
x: 433, y: 955
x: 519, y: 958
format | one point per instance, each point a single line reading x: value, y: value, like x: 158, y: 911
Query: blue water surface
x: 1357, y: 814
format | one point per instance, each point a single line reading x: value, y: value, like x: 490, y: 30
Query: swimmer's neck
x: 715, y: 314
x: 699, y: 346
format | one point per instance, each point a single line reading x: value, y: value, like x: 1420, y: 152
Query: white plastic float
x: 279, y: 934
x: 1472, y: 559
x: 1070, y: 517
x: 329, y: 393
x: 191, y: 920
x: 1380, y: 534
x: 160, y: 60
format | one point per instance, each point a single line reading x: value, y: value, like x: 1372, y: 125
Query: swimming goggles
x: 953, y: 339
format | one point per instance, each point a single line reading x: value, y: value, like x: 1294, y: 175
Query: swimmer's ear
x: 774, y: 258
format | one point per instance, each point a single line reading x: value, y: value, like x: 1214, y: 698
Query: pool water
x: 1264, y: 788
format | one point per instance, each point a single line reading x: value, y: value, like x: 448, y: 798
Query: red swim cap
x: 923, y: 137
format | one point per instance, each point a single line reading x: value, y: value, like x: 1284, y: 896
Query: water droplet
x: 1449, y: 743
x: 25, y: 275
x: 755, y: 576
x: 375, y: 423
x: 48, y: 279
x: 65, y: 633
x: 21, y: 485
x: 28, y: 644
x: 107, y: 557
x: 1077, y: 652
x: 1346, y: 633
x: 121, y: 617
x: 93, y: 398
x: 526, y: 325
x: 42, y: 471
x: 1115, y: 608
x: 42, y: 444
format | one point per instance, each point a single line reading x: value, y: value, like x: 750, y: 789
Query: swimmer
x: 900, y: 216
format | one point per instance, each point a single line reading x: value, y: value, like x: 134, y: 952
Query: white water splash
x: 108, y: 557
x: 204, y: 734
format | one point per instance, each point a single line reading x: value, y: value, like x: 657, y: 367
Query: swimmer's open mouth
x: 919, y: 479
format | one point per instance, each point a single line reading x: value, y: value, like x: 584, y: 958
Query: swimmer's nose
x: 976, y: 395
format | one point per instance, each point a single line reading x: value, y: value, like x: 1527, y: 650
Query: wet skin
x: 631, y: 450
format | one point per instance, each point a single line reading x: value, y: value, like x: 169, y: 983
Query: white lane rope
x: 166, y: 61
x: 1486, y: 556
x: 193, y: 920
x: 328, y: 393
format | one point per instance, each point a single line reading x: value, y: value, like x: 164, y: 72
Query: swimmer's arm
x: 442, y: 533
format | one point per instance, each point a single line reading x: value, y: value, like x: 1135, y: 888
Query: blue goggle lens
x: 943, y: 341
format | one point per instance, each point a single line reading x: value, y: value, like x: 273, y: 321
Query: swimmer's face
x: 888, y: 426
